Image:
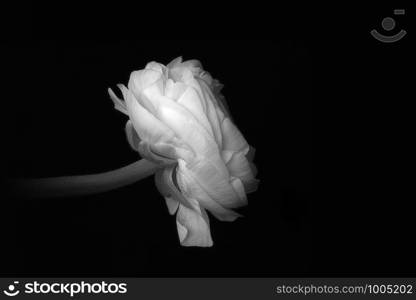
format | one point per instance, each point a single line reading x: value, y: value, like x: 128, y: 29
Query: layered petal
x: 164, y: 153
x: 232, y: 138
x: 164, y: 180
x: 174, y: 90
x: 132, y: 136
x: 191, y: 101
x: 191, y: 188
x: 239, y: 166
x: 147, y: 126
x: 119, y: 104
x: 181, y: 121
x: 216, y: 184
x: 140, y: 80
x: 193, y: 226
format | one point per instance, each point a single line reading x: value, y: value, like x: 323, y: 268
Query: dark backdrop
x: 328, y: 203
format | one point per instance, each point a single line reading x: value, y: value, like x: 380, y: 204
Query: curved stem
x: 82, y: 185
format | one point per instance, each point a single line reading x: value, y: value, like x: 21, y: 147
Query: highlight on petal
x: 186, y: 127
x: 147, y: 126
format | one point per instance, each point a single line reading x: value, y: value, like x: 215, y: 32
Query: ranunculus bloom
x: 179, y: 118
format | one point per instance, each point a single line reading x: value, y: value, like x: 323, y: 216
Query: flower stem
x: 82, y: 185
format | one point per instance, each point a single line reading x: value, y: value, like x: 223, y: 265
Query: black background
x: 327, y: 114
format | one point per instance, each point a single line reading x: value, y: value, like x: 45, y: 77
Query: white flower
x: 179, y: 118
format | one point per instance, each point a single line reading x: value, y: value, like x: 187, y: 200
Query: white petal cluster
x: 178, y: 117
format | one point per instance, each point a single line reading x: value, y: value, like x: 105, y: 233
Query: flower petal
x: 186, y: 127
x: 132, y: 136
x: 239, y: 188
x: 147, y: 126
x: 232, y: 138
x: 142, y: 79
x: 172, y: 204
x: 146, y: 151
x: 181, y: 74
x: 119, y: 104
x: 163, y: 153
x: 191, y: 101
x: 166, y: 186
x: 193, y: 226
x: 155, y: 66
x: 239, y: 166
x: 164, y: 189
x: 226, y: 155
x: 174, y: 62
x: 194, y: 65
x: 215, y: 183
x: 192, y: 189
x: 174, y: 90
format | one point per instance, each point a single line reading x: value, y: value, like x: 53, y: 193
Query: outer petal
x: 232, y: 138
x: 157, y: 87
x: 165, y: 153
x: 193, y: 226
x: 175, y: 62
x: 174, y: 90
x: 239, y: 188
x: 194, y: 65
x: 164, y: 188
x: 206, y: 76
x: 213, y: 116
x: 192, y: 189
x: 142, y: 79
x: 183, y: 124
x: 216, y: 184
x: 148, y: 127
x: 132, y: 136
x: 167, y: 187
x: 118, y: 103
x: 155, y: 66
x: 181, y: 74
x: 191, y: 100
x: 239, y: 166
